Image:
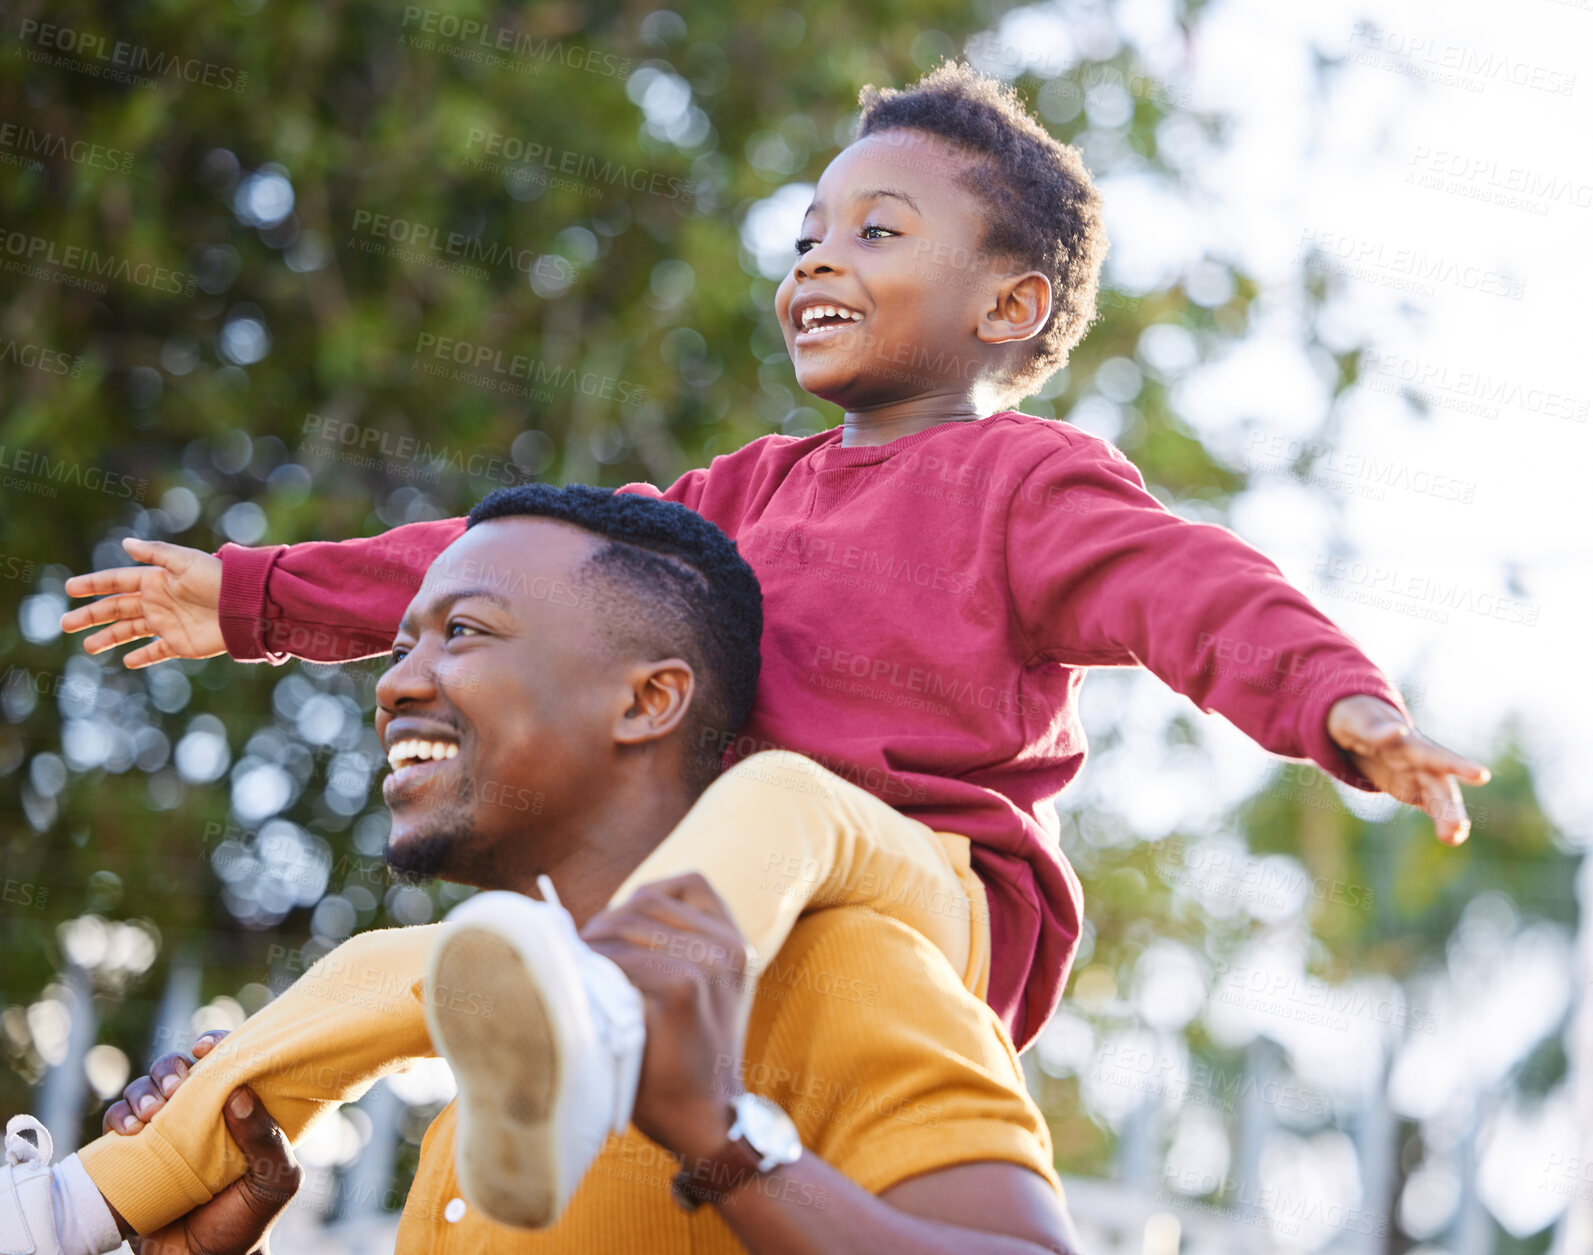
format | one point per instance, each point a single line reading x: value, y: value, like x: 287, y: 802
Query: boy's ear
x: 661, y: 693
x: 1020, y: 310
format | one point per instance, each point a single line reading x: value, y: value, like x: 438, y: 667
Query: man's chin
x: 419, y: 857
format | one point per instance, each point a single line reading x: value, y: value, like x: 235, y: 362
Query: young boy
x: 938, y: 573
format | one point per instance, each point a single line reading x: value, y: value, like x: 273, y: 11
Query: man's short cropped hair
x: 668, y: 584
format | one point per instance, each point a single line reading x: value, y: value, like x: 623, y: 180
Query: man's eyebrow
x: 874, y: 193
x: 441, y: 603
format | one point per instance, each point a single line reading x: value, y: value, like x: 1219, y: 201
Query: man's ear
x: 1021, y: 306
x: 661, y: 693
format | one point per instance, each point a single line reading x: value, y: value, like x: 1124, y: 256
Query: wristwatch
x: 762, y: 1139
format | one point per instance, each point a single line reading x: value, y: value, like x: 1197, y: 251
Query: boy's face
x: 495, y: 658
x: 893, y: 240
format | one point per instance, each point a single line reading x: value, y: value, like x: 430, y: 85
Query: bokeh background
x: 287, y: 271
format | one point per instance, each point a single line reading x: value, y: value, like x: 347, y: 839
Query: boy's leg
x: 778, y: 835
x: 353, y: 1017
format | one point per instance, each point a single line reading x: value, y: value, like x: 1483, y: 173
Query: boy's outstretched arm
x: 321, y: 601
x: 1106, y: 576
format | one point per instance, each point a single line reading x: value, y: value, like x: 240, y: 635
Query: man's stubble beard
x: 423, y: 856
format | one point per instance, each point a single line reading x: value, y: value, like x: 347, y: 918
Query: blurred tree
x: 292, y: 271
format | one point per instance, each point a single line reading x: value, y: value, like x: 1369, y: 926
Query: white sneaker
x: 27, y: 1221
x: 545, y: 1037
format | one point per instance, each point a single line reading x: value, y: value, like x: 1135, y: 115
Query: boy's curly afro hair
x: 1043, y: 211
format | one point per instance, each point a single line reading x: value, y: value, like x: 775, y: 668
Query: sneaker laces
x: 24, y: 1149
x: 616, y: 1007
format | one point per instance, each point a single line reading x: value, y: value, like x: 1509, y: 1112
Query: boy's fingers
x: 125, y: 605
x: 121, y: 579
x: 116, y: 634
x: 1439, y: 796
x: 207, y: 1042
x: 147, y: 655
x: 1431, y: 756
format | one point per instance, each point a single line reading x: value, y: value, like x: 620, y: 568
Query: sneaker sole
x: 509, y: 1066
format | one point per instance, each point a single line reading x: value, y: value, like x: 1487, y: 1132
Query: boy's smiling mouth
x: 818, y: 318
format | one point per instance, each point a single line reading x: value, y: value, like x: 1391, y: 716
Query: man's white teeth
x: 814, y: 312
x: 417, y: 750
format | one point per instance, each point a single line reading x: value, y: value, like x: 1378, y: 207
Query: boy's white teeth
x: 814, y: 312
x: 416, y: 750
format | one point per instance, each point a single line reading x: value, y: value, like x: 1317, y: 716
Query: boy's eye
x: 873, y: 227
x: 803, y: 245
x: 397, y: 655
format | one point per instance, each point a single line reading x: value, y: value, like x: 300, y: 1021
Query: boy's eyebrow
x: 874, y: 193
x: 443, y: 602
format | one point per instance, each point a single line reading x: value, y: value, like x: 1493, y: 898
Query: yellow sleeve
x: 888, y: 1065
x: 353, y: 1017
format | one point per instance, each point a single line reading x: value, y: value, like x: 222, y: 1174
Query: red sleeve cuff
x: 244, y: 572
x: 1322, y: 748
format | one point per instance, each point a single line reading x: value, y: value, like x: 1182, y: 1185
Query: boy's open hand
x: 1403, y: 763
x: 176, y: 599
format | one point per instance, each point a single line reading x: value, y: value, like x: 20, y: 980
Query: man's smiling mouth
x: 414, y: 758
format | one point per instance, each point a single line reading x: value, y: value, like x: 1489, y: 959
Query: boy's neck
x: 885, y: 423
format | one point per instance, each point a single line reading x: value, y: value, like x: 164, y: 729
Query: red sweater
x: 930, y: 608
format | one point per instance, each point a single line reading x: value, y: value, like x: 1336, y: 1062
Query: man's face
x: 894, y: 239
x: 497, y: 706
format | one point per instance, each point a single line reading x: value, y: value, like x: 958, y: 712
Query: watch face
x: 768, y: 1129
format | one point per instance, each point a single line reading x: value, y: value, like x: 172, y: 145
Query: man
x: 915, y: 1128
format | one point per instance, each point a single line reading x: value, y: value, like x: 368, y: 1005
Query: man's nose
x: 413, y: 678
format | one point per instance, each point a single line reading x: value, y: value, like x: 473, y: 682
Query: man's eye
x: 462, y: 627
x: 397, y: 656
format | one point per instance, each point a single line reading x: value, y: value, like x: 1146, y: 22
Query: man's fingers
x: 168, y: 1072
x: 274, y: 1175
x: 126, y: 605
x: 206, y: 1042
x: 691, y: 889
x: 144, y: 1098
